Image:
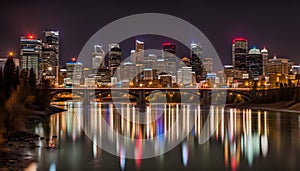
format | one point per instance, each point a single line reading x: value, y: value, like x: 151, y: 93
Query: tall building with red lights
x: 31, y: 55
x: 169, y: 55
x: 239, y: 53
x: 171, y: 51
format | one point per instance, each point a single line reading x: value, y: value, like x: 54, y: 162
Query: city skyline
x: 183, y: 51
x: 247, y: 63
x: 264, y: 28
x: 149, y: 85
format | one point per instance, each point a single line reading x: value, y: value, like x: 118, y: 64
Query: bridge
x: 140, y: 94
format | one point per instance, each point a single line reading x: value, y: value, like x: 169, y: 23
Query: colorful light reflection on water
x: 243, y: 140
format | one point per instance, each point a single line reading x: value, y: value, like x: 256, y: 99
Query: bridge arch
x: 56, y: 92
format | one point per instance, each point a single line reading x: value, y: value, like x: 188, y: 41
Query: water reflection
x: 243, y: 136
x: 31, y: 167
x: 185, y: 153
x: 238, y: 136
x: 105, y: 124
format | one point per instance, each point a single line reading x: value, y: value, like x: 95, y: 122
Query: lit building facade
x: 151, y: 57
x: 103, y: 75
x: 150, y: 61
x: 265, y: 56
x: 196, y: 63
x: 295, y: 69
x: 62, y: 75
x: 115, y: 57
x: 31, y: 55
x: 255, y: 63
x: 98, y: 56
x: 161, y: 63
x: 74, y: 72
x: 132, y: 57
x: 139, y: 52
x: 127, y: 72
x: 184, y: 75
x: 233, y: 75
x: 207, y: 66
x: 278, y: 66
x: 165, y: 80
x: 148, y: 74
x: 139, y: 72
x: 50, y: 56
x: 169, y: 56
x: 239, y: 53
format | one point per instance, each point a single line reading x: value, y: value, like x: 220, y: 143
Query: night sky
x: 273, y: 24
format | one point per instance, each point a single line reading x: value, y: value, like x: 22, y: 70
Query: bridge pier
x: 141, y: 101
x: 86, y: 98
x: 205, y: 97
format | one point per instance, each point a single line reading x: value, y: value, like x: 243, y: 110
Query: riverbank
x: 282, y: 106
x: 14, y: 152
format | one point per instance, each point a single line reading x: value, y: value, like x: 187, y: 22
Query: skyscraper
x: 239, y: 53
x: 254, y: 63
x: 148, y: 74
x: 139, y: 50
x: 150, y: 61
x: 132, y: 57
x: 74, y: 72
x: 277, y: 66
x: 31, y: 55
x: 103, y: 75
x: 127, y: 72
x: 50, y: 56
x: 115, y: 57
x: 184, y: 75
x: 169, y: 56
x: 207, y: 66
x: 196, y: 63
x: 98, y: 57
x: 265, y: 56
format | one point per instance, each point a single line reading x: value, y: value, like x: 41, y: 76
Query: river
x: 234, y: 139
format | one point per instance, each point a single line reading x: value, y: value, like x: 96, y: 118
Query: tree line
x: 19, y: 97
